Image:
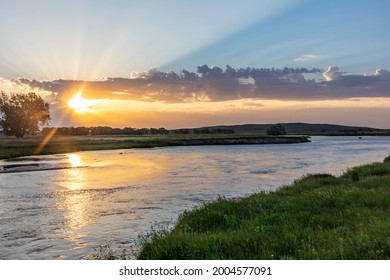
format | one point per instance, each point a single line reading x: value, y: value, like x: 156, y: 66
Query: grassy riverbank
x: 11, y: 147
x: 318, y: 217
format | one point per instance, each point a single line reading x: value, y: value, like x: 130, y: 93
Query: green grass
x: 318, y: 217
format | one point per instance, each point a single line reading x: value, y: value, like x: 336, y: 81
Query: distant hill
x: 304, y: 128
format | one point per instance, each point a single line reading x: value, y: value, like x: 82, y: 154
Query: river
x: 64, y: 206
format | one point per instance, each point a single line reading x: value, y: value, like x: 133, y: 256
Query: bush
x: 276, y: 129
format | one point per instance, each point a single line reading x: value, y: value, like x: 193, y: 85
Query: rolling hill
x: 305, y: 128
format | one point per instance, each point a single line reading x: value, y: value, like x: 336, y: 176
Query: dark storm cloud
x: 216, y: 84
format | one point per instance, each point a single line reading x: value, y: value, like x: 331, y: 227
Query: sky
x: 197, y: 63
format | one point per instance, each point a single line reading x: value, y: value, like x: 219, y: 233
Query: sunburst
x: 80, y: 104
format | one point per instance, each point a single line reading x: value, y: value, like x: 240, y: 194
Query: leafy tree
x: 21, y: 114
x: 276, y: 129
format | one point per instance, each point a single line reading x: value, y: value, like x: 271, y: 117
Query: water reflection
x: 73, y: 202
x: 74, y: 160
x: 75, y: 205
x: 74, y: 176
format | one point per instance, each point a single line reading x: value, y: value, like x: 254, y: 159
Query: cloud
x: 332, y: 73
x: 247, y: 81
x: 144, y: 74
x: 380, y: 73
x: 252, y: 104
x: 307, y: 57
x: 217, y: 84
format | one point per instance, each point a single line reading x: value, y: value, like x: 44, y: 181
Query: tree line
x: 106, y: 130
x: 102, y: 130
x: 204, y: 130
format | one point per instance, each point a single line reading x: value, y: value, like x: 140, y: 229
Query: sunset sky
x: 196, y: 63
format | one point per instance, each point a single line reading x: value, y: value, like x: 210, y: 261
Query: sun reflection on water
x: 74, y: 160
x: 75, y: 200
x: 74, y: 175
x: 76, y: 205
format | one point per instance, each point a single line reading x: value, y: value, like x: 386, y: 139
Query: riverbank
x: 11, y: 147
x: 318, y: 217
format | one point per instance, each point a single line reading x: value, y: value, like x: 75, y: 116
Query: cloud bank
x: 216, y: 84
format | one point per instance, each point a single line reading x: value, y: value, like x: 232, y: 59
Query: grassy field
x: 318, y: 217
x: 11, y: 147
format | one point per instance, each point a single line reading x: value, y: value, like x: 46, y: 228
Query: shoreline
x: 30, y: 146
x: 319, y: 216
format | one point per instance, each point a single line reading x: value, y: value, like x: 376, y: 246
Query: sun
x: 79, y: 104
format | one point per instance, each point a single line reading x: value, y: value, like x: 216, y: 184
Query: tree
x: 22, y: 113
x: 276, y: 129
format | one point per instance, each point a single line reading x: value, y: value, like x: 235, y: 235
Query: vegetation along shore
x: 317, y: 217
x: 35, y: 145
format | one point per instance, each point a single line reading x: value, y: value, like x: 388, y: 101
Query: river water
x: 64, y: 206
